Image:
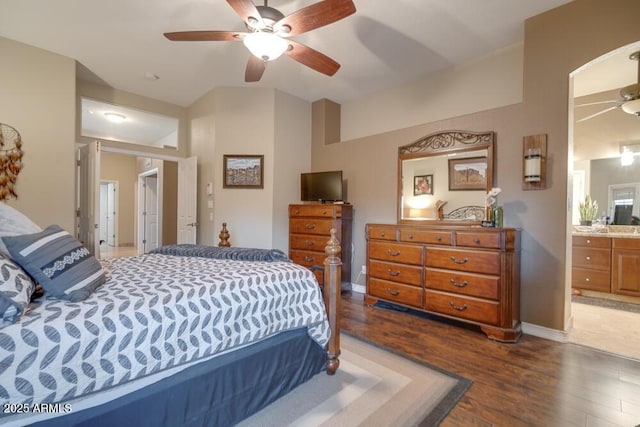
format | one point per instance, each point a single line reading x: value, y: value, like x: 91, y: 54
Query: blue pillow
x: 15, y: 290
x: 62, y: 266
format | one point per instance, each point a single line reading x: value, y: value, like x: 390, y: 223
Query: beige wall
x: 38, y: 99
x: 249, y: 121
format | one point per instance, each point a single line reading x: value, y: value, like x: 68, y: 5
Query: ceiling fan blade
x: 606, y: 110
x: 600, y: 102
x: 255, y: 69
x: 246, y: 9
x: 315, y: 16
x: 312, y: 58
x: 211, y: 36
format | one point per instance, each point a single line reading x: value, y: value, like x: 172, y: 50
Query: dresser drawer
x: 312, y: 226
x: 319, y: 210
x: 307, y: 258
x: 463, y: 260
x: 308, y: 242
x: 476, y: 285
x: 597, y: 259
x: 381, y: 232
x: 592, y: 242
x: 409, y: 295
x: 395, y: 252
x: 594, y: 280
x: 458, y: 306
x: 489, y: 240
x: 425, y: 236
x: 405, y: 274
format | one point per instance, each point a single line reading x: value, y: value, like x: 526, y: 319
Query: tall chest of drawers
x: 471, y: 274
x: 310, y: 229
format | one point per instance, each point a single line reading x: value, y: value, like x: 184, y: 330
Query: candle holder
x: 534, y: 156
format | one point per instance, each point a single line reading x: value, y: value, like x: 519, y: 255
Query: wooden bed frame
x: 331, y: 291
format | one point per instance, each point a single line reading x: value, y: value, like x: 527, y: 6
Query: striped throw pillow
x: 62, y: 266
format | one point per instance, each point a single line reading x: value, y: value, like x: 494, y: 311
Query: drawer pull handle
x: 324, y: 212
x: 396, y: 253
x: 588, y: 258
x: 382, y: 234
x: 459, y: 261
x: 393, y: 293
x: 588, y: 241
x: 308, y: 243
x: 587, y: 280
x: 297, y: 212
x: 459, y: 285
x: 476, y: 240
x: 457, y: 307
x: 309, y: 226
x: 410, y: 236
x: 393, y: 273
x: 438, y: 238
x: 309, y: 258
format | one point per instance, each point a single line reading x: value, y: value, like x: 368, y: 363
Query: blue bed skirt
x: 220, y: 392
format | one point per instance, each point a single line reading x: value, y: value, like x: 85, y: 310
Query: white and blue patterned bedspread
x: 155, y: 312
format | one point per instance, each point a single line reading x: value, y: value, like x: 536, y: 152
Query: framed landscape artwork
x: 468, y: 174
x: 243, y: 171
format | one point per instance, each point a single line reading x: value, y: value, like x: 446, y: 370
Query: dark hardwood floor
x: 535, y: 382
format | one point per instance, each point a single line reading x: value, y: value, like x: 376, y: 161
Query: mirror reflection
x: 426, y: 181
x: 111, y: 122
x: 445, y: 176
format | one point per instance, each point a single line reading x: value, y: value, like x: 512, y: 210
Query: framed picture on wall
x: 468, y: 174
x: 243, y: 171
x: 422, y: 184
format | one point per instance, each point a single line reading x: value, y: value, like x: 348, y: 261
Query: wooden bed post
x: 332, y: 298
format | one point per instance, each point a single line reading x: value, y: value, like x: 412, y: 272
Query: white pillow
x: 14, y: 223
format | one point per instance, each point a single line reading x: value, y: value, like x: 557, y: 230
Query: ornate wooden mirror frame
x: 445, y: 144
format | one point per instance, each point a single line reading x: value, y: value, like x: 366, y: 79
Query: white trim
x: 542, y: 332
x: 41, y: 242
x: 361, y: 289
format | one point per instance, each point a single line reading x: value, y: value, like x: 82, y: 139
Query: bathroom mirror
x: 445, y: 177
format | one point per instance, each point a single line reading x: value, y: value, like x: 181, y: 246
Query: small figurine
x: 224, y: 236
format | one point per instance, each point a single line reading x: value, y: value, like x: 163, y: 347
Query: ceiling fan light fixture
x: 265, y: 45
x: 632, y: 107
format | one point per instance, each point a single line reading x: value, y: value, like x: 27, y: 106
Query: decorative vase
x: 587, y: 222
x: 497, y: 216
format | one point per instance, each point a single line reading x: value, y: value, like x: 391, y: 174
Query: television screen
x: 321, y: 186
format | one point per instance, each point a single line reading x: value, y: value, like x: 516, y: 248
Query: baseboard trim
x: 361, y: 289
x: 542, y: 332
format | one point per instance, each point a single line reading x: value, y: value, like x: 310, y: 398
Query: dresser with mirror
x: 438, y: 258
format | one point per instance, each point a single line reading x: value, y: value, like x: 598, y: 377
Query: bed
x: 171, y: 339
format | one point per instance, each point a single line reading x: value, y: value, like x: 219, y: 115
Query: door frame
x: 141, y: 204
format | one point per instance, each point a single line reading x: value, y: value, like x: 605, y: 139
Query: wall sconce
x: 534, y: 162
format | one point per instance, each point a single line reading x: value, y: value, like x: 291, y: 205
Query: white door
x: 112, y: 214
x: 151, y: 213
x: 88, y: 197
x: 187, y: 200
x: 104, y: 212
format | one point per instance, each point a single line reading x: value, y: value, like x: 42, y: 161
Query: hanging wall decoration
x: 10, y: 160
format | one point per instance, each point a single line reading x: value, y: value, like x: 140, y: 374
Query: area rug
x: 373, y: 387
x: 606, y: 303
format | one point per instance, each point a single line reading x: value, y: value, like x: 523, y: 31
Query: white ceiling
x: 383, y: 44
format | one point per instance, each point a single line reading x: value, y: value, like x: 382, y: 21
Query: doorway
x: 149, y: 211
x: 601, y: 318
x: 108, y: 223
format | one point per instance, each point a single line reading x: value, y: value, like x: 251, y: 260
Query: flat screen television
x: 321, y: 186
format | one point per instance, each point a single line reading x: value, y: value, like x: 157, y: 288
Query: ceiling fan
x: 629, y: 97
x: 269, y: 30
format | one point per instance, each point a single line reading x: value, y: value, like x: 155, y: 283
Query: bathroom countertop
x: 619, y: 231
